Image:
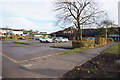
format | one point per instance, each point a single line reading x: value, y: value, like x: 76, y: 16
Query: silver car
x: 45, y: 39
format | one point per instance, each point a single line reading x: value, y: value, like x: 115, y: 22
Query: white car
x: 66, y: 39
x: 61, y: 39
x: 45, y: 39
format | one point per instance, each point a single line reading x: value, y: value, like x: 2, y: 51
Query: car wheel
x: 40, y: 41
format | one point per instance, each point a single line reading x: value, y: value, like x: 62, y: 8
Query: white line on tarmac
x: 28, y: 59
x: 9, y: 58
x: 37, y: 58
x: 17, y: 62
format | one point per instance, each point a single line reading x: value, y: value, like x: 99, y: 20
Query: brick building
x: 71, y: 33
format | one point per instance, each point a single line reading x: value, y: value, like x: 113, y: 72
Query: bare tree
x: 78, y: 13
x: 107, y: 24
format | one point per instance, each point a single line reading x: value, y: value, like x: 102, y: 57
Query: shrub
x: 15, y: 37
x: 2, y: 38
x: 101, y: 41
x: 86, y: 43
x: 110, y: 40
x: 78, y: 44
x: 26, y: 37
x: 91, y: 43
x: 10, y: 37
x: 5, y: 38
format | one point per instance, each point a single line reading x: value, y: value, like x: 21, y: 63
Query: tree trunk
x: 81, y: 35
x: 106, y: 33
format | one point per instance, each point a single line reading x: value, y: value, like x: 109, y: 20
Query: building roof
x: 12, y: 29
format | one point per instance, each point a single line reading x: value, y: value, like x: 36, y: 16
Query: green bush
x: 110, y: 40
x: 10, y: 37
x: 5, y: 38
x: 79, y: 44
x: 2, y: 38
x: 15, y: 37
x: 26, y: 37
x: 101, y: 41
x: 90, y: 43
x: 86, y: 43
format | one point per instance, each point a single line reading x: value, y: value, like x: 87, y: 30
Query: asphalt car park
x: 21, y: 52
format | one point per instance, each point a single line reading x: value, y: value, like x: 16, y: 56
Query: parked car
x: 61, y: 39
x: 90, y: 38
x: 66, y: 39
x: 36, y: 38
x: 21, y: 38
x: 46, y: 39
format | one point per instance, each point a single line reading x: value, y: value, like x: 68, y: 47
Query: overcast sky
x: 39, y: 14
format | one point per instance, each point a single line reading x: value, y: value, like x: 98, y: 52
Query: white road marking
x: 9, y: 58
x: 37, y: 58
x: 0, y: 77
x: 27, y: 65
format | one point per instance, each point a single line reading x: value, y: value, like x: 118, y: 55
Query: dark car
x: 21, y: 38
x: 90, y: 38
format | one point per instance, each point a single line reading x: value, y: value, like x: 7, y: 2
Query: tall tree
x: 107, y: 24
x: 77, y: 12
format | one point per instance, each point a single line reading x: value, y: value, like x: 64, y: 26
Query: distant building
x: 42, y: 34
x: 13, y: 32
x: 9, y: 31
x: 22, y: 32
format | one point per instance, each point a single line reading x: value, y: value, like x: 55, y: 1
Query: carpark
x: 21, y: 52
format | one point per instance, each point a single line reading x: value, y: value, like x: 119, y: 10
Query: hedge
x: 110, y: 40
x: 90, y: 43
x: 86, y: 43
x: 5, y: 38
x: 15, y: 37
x: 103, y: 41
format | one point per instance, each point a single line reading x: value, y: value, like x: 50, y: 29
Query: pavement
x: 49, y: 67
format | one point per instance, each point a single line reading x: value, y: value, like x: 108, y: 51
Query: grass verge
x: 63, y: 47
x: 113, y: 49
x: 72, y: 51
x: 24, y: 43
